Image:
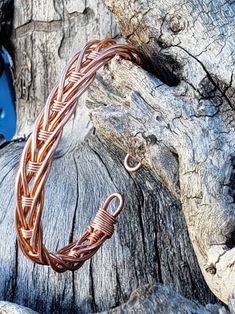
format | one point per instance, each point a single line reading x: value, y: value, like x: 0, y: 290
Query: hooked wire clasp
x: 104, y: 221
x: 127, y: 164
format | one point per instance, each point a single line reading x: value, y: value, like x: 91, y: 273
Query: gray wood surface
x: 182, y: 127
x: 46, y: 35
x: 161, y: 299
x: 150, y: 244
x: 12, y: 308
x: 147, y: 299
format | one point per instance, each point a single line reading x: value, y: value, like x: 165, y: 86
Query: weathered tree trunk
x: 182, y: 125
x: 193, y: 121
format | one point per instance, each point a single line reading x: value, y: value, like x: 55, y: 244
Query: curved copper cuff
x: 38, y: 153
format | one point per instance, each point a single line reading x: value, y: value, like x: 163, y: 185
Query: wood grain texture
x: 12, y: 308
x: 189, y: 120
x: 46, y: 35
x: 150, y: 244
x: 161, y: 299
x: 184, y: 133
x: 147, y: 299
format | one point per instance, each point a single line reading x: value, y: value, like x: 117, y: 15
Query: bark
x: 193, y: 121
x: 160, y: 299
x: 47, y: 34
x: 150, y: 244
x: 147, y: 299
x: 11, y: 308
x: 180, y: 125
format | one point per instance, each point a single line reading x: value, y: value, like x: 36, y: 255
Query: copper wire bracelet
x: 38, y: 154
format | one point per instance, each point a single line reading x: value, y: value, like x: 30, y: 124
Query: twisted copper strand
x: 37, y: 158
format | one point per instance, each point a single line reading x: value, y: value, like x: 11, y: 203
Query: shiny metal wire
x: 37, y: 158
x: 127, y: 164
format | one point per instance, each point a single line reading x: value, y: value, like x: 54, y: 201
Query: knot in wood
x: 176, y: 24
x: 211, y: 269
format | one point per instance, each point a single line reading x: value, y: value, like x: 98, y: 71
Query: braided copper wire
x: 37, y: 158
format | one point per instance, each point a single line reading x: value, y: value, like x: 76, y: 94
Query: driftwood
x: 192, y: 123
x: 12, y: 308
x: 161, y: 299
x: 147, y: 299
x: 182, y: 127
x: 150, y: 245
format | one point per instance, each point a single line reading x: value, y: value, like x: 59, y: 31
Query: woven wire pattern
x: 37, y: 158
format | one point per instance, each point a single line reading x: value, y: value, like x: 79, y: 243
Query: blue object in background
x: 7, y: 99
